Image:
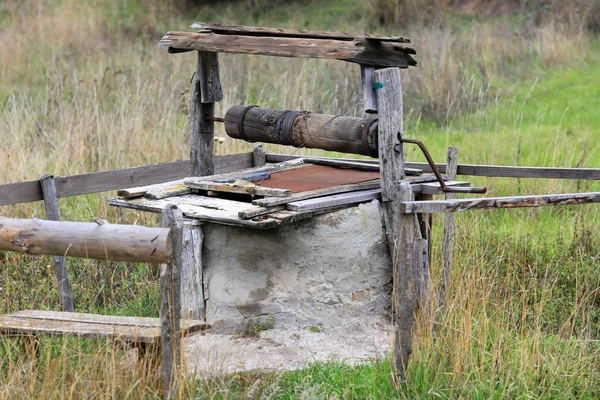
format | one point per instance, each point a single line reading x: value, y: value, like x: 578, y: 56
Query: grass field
x: 83, y: 88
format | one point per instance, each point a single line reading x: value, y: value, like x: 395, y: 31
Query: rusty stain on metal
x: 316, y: 177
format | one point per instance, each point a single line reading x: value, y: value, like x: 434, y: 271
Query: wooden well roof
x: 368, y: 50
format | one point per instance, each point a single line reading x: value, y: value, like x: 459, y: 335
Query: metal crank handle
x: 458, y: 189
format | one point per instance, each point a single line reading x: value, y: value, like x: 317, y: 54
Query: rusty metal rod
x: 215, y: 119
x: 438, y: 175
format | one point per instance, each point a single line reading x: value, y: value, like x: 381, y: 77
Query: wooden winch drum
x: 303, y: 129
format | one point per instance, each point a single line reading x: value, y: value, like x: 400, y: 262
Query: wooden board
x: 212, y: 209
x: 380, y: 54
x: 75, y: 185
x: 445, y: 206
x: 298, y: 33
x: 127, y: 329
x: 341, y: 199
x: 240, y: 187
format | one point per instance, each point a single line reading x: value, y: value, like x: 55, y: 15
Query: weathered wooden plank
x: 211, y: 209
x: 170, y: 298
x: 240, y: 186
x: 446, y: 206
x: 60, y: 268
x: 252, y: 212
x: 81, y: 239
x: 187, y: 325
x: 449, y: 228
x: 334, y: 200
x: 259, y: 156
x: 309, y: 194
x: 298, y: 33
x: 367, y: 75
x: 75, y: 185
x: 275, y: 158
x: 502, y: 171
x: 382, y: 54
x: 358, y: 165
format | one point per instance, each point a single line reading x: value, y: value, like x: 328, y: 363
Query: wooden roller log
x: 87, y: 240
x: 303, y: 129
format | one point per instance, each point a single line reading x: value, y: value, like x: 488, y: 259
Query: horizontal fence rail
x: 454, y: 205
x: 85, y: 239
x: 483, y: 170
x: 75, y: 185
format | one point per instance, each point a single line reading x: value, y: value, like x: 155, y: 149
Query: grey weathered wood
x: 60, y: 268
x: 449, y: 227
x: 209, y: 77
x: 309, y: 194
x: 202, y: 128
x: 211, y: 209
x: 275, y: 158
x: 298, y: 33
x: 58, y: 323
x: 358, y: 165
x: 80, y: 239
x: 404, y: 298
x: 75, y: 185
x: 255, y: 211
x: 240, y: 187
x: 303, y: 129
x: 432, y: 188
x: 502, y: 171
x: 259, y: 156
x: 368, y: 85
x: 192, y: 290
x: 384, y: 54
x: 447, y: 206
x: 170, y: 295
x: 421, y: 271
x: 334, y: 200
x: 400, y: 229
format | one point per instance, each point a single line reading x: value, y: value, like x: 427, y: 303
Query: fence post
x: 448, y: 246
x: 259, y: 157
x: 53, y: 214
x: 170, y: 300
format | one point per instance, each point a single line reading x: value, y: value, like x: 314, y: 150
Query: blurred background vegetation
x: 83, y: 88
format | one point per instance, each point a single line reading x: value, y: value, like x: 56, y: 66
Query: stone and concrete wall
x: 329, y: 271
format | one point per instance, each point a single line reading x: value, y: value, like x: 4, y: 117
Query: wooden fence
x: 118, y: 243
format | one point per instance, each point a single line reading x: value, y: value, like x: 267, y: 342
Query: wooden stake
x: 170, y: 295
x: 367, y: 75
x: 448, y: 246
x: 60, y: 268
x: 192, y: 290
x: 207, y: 90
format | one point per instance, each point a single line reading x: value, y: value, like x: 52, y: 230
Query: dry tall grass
x: 83, y: 88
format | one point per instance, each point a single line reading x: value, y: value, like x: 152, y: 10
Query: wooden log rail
x: 85, y: 239
x: 76, y: 185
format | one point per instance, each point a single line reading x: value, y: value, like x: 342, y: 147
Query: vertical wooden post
x: 207, y: 91
x: 192, y: 289
x: 60, y: 268
x: 170, y: 301
x: 400, y: 228
x: 367, y: 75
x: 448, y: 246
x: 259, y: 157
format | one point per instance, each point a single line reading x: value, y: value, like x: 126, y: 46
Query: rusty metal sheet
x: 316, y: 177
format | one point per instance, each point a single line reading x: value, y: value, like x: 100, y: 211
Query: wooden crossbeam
x: 448, y: 206
x: 381, y: 54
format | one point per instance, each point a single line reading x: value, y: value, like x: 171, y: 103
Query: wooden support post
x: 400, y: 229
x: 192, y: 290
x: 60, y: 268
x: 207, y: 91
x: 170, y: 306
x: 448, y: 246
x: 259, y: 156
x: 367, y: 75
x: 421, y: 268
